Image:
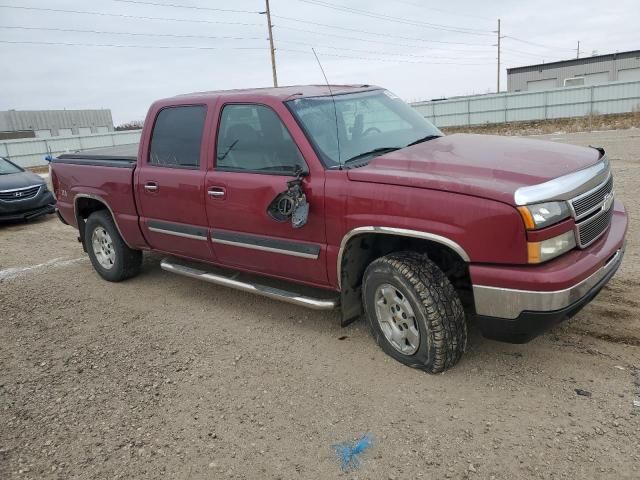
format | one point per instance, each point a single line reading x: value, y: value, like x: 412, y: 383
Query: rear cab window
x: 252, y: 138
x: 176, y: 139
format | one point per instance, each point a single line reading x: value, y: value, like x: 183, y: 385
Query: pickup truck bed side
x: 107, y: 182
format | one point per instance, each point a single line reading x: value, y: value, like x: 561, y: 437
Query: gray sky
x: 402, y: 55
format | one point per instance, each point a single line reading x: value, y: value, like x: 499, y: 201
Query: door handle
x: 217, y: 192
x: 151, y: 187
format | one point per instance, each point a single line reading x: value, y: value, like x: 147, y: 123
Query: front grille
x: 591, y: 201
x: 589, y: 230
x: 19, y: 194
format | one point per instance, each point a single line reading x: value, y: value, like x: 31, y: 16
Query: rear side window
x: 177, y: 136
x: 252, y: 138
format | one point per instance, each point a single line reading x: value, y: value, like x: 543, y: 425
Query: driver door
x: 255, y: 157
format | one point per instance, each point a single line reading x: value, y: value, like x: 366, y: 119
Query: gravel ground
x: 164, y: 376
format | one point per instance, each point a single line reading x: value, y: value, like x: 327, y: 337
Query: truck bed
x: 104, y: 175
x: 122, y: 156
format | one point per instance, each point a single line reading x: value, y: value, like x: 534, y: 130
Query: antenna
x: 335, y: 109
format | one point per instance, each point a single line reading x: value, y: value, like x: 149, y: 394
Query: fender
x: 402, y: 232
x: 97, y: 198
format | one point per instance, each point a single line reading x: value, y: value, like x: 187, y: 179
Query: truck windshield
x: 7, y: 167
x: 369, y: 123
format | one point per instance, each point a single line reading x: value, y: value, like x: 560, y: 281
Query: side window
x: 177, y: 136
x: 252, y: 138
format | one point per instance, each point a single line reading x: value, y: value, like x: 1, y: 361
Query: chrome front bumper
x: 509, y: 303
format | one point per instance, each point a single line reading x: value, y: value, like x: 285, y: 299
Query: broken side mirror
x: 292, y: 203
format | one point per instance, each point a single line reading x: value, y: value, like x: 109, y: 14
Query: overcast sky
x: 420, y: 49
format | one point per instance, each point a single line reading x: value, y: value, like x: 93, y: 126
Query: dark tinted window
x: 177, y: 136
x: 253, y: 138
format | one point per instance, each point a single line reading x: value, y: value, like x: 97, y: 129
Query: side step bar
x: 264, y: 290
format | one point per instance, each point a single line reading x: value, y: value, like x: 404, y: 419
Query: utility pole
x: 578, y: 50
x: 498, y: 45
x: 272, y: 48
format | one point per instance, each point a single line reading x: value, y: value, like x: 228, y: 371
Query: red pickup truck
x: 345, y: 197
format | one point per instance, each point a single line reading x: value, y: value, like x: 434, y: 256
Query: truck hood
x: 480, y: 165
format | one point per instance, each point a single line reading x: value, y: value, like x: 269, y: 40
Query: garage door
x: 545, y: 84
x: 64, y: 132
x: 629, y: 74
x: 84, y: 131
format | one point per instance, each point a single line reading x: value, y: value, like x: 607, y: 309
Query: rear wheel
x: 414, y: 313
x: 109, y: 255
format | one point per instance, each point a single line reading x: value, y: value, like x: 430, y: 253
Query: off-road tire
x: 127, y: 263
x: 435, y: 303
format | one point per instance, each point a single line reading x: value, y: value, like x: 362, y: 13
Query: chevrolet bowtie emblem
x: 607, y: 202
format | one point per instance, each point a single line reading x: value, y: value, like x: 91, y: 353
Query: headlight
x: 539, y: 252
x: 543, y: 214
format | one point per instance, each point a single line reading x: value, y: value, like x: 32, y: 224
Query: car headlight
x: 543, y: 214
x: 538, y: 252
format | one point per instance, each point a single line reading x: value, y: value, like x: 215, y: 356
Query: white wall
x: 30, y: 152
x: 564, y: 102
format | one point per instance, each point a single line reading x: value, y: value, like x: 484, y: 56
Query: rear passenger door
x: 255, y: 157
x: 170, y: 183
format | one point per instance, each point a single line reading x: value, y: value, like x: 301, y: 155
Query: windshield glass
x: 369, y: 123
x: 8, y: 167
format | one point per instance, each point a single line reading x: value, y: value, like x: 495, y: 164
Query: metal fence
x: 615, y: 97
x: 31, y: 152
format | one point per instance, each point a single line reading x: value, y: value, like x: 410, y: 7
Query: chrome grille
x: 591, y: 201
x: 591, y: 229
x: 592, y: 211
x: 19, y: 193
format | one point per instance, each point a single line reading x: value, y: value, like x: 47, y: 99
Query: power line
x: 368, y: 32
x: 122, y: 15
x: 381, y: 59
x: 77, y: 44
x: 106, y: 32
x: 331, y: 47
x: 379, y: 16
x: 376, y: 59
x: 538, y: 44
x: 140, y: 2
x: 457, y: 14
x: 222, y: 37
x: 367, y: 40
x: 194, y: 47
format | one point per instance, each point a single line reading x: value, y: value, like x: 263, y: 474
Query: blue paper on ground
x: 349, y: 452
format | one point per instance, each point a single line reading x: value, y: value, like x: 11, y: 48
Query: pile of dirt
x: 563, y: 125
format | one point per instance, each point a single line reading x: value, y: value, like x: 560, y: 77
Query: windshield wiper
x: 424, y: 139
x: 371, y: 153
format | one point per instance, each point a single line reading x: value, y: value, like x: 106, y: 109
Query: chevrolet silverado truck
x: 345, y: 197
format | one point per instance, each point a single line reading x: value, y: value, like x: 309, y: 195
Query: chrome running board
x: 251, y: 287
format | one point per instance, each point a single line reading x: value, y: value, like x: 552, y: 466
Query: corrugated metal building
x: 53, y: 123
x: 623, y: 66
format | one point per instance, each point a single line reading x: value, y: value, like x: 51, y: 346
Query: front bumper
x: 42, y: 204
x: 548, y: 293
x: 28, y: 214
x: 539, y: 311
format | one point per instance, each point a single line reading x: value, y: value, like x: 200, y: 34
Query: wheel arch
x: 84, y: 204
x: 360, y: 246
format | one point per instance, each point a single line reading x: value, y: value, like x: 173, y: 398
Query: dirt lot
x: 163, y: 376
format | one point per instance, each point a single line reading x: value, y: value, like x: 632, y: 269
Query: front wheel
x: 109, y: 255
x: 414, y: 313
